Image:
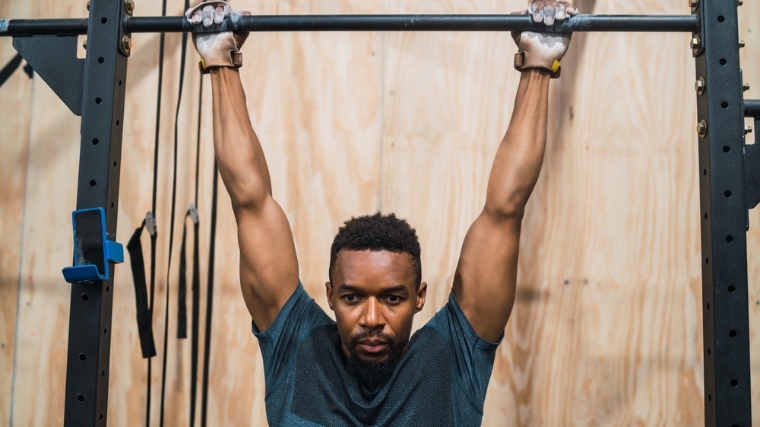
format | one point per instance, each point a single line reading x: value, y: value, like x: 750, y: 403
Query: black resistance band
x: 209, y: 296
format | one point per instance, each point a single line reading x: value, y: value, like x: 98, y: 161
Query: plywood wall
x: 607, y: 326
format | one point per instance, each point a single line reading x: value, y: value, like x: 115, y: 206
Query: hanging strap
x: 144, y: 329
x: 209, y: 297
x: 171, y: 223
x: 196, y: 266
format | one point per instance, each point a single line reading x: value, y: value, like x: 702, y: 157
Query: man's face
x: 374, y: 297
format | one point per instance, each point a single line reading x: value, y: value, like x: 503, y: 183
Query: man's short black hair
x: 378, y: 232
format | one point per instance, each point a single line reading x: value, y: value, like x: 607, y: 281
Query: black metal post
x: 105, y: 75
x: 723, y: 216
x: 153, y: 24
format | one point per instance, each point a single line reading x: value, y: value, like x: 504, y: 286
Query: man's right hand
x: 216, y: 49
x: 543, y: 50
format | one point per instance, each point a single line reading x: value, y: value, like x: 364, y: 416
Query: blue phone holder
x: 92, y: 250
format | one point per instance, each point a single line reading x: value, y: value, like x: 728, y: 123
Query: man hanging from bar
x: 363, y: 368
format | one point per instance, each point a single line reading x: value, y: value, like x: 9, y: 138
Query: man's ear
x: 421, y: 294
x: 329, y: 293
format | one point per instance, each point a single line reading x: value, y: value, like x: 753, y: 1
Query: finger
x: 197, y: 17
x: 537, y: 10
x: 208, y: 15
x: 219, y: 15
x: 550, y: 8
x: 561, y: 10
x: 572, y: 10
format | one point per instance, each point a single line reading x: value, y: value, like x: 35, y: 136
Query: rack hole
x: 721, y: 18
x: 112, y: 205
x: 101, y: 60
x: 114, y: 164
x: 709, y: 397
x: 105, y: 331
x: 119, y: 82
x: 723, y: 61
x: 117, y: 123
x: 93, y: 183
x: 732, y: 288
x: 704, y: 172
x: 732, y: 333
x: 729, y: 239
x: 108, y: 288
x: 705, y: 217
x: 80, y: 398
x: 726, y: 148
x: 102, y: 374
x: 708, y: 305
x: 724, y: 104
x: 85, y: 297
x: 101, y: 417
x: 708, y: 351
x: 104, y: 19
x: 707, y: 260
x: 98, y: 100
x: 727, y: 194
x: 95, y: 141
x: 82, y: 357
x: 734, y: 383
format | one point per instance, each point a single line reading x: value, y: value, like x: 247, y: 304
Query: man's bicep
x: 268, y: 263
x: 486, y: 276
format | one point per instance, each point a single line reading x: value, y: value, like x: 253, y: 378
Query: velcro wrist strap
x: 236, y: 61
x: 520, y: 61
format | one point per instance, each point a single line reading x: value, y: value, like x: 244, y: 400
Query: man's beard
x: 373, y: 374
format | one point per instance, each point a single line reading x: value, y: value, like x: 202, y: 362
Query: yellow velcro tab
x: 203, y: 63
x: 555, y: 66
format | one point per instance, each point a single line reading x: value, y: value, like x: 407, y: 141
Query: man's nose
x: 373, y: 316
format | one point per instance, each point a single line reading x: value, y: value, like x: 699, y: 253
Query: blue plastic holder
x: 90, y: 241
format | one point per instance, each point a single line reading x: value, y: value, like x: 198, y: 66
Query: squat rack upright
x: 94, y: 88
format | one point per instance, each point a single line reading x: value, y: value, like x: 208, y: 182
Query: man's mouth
x: 373, y: 346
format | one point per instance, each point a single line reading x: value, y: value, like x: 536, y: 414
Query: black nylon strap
x: 171, y: 223
x: 9, y: 68
x: 144, y: 329
x: 196, y: 269
x: 209, y: 296
x: 182, y: 305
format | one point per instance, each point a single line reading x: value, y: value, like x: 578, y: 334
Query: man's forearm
x: 519, y: 158
x: 241, y: 160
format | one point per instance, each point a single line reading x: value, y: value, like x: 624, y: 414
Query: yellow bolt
x: 702, y: 129
x: 129, y: 5
x: 747, y: 130
x: 745, y: 87
x: 699, y: 86
x: 84, y: 44
x: 741, y: 43
x: 88, y: 5
x: 695, y: 41
x: 739, y: 2
x: 126, y: 43
x: 693, y: 4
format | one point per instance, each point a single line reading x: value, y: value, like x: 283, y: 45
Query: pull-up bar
x: 152, y: 24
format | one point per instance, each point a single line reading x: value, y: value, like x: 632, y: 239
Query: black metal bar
x: 588, y: 23
x: 105, y: 71
x: 752, y: 108
x: 723, y: 217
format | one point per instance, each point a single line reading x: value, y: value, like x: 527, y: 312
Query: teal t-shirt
x: 441, y: 380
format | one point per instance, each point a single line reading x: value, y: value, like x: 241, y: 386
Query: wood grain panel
x: 607, y: 326
x: 16, y: 94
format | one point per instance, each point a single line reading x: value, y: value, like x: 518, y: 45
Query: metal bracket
x: 150, y: 223
x: 92, y: 251
x: 192, y: 212
x: 54, y: 58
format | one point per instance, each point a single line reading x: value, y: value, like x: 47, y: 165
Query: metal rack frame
x: 729, y: 170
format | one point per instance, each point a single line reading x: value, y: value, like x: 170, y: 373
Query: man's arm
x: 268, y: 263
x: 486, y: 276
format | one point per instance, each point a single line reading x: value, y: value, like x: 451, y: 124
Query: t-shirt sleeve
x: 279, y: 344
x: 472, y: 356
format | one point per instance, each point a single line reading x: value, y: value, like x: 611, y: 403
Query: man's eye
x: 350, y: 298
x: 393, y: 299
